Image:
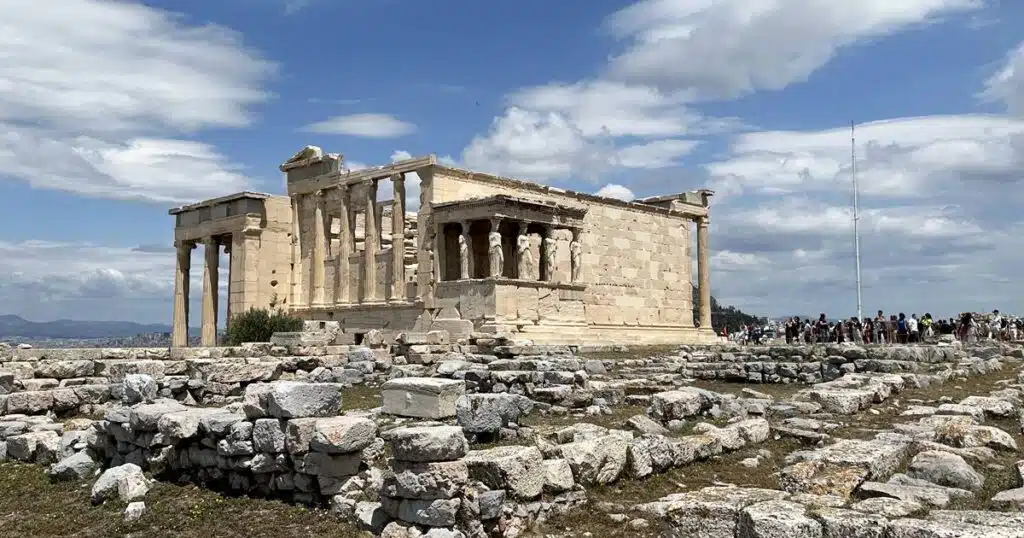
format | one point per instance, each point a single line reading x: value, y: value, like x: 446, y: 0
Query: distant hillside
x: 725, y: 316
x: 11, y: 325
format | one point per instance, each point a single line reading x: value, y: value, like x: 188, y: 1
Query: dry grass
x: 32, y: 506
x: 360, y: 397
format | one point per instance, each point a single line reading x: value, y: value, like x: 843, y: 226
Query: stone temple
x: 480, y: 253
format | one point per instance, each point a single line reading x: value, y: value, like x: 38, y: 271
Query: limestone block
x: 138, y: 388
x: 329, y: 465
x: 782, y: 519
x: 557, y: 476
x: 429, y: 513
x: 422, y: 397
x: 341, y: 435
x: 126, y: 481
x: 268, y: 435
x: 428, y: 443
x: 516, y: 469
x: 597, y: 461
x: 294, y: 399
x: 78, y: 466
x: 488, y: 413
x: 146, y: 417
x: 29, y: 402
x: 64, y: 369
x: 678, y: 404
x: 437, y: 480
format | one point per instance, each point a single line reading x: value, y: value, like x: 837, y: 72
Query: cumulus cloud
x: 678, y: 53
x: 92, y: 102
x: 50, y: 280
x: 618, y: 192
x: 938, y: 220
x: 729, y: 48
x: 363, y: 125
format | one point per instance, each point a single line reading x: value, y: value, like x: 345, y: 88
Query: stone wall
x: 83, y: 381
x: 636, y: 262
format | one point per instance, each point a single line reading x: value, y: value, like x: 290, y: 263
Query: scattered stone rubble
x: 272, y: 424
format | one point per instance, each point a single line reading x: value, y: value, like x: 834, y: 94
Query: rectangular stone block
x: 422, y: 397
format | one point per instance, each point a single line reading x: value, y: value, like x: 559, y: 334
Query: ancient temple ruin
x: 478, y: 253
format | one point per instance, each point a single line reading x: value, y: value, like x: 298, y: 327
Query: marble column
x: 398, y: 240
x: 704, y: 272
x: 211, y: 246
x: 179, y: 330
x: 371, y: 244
x: 231, y: 266
x: 319, y: 251
x: 295, y: 295
x: 346, y: 244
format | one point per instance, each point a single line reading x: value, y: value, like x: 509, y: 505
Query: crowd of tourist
x: 891, y: 329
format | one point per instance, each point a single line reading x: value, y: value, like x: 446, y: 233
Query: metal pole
x: 856, y: 215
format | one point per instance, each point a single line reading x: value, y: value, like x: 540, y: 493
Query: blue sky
x: 115, y: 111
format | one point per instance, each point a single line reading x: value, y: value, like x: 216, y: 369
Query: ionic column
x: 704, y: 272
x: 466, y: 261
x: 179, y: 329
x: 231, y: 267
x: 319, y: 250
x: 296, y: 297
x: 210, y: 298
x: 371, y: 243
x: 346, y: 244
x: 398, y: 240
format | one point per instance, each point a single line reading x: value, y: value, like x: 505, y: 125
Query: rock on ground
x: 126, y: 481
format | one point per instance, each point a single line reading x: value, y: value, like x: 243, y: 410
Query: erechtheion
x: 479, y: 254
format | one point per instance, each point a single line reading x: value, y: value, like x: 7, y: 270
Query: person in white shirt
x: 914, y: 329
x: 995, y: 326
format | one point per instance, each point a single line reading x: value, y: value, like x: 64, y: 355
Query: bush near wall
x: 259, y: 324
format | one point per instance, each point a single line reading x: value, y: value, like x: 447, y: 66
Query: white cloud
x: 90, y: 100
x: 656, y: 154
x: 727, y: 48
x: 363, y: 125
x: 49, y: 280
x: 938, y: 221
x: 898, y: 158
x: 154, y: 170
x: 1007, y: 84
x: 618, y: 192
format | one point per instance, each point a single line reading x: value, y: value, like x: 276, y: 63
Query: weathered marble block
x: 422, y: 397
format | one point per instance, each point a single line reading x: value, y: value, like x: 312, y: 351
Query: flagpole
x: 856, y: 215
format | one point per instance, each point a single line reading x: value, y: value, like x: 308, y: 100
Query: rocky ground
x: 905, y: 443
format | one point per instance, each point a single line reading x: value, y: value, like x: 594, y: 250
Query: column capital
x: 319, y: 193
x: 703, y: 221
x: 184, y: 244
x: 398, y: 177
x: 211, y: 241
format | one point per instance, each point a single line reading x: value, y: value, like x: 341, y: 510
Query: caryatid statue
x: 524, y: 257
x: 495, y: 255
x: 463, y: 258
x: 550, y: 257
x: 576, y: 255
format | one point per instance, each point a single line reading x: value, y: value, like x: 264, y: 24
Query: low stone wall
x: 83, y: 381
x: 286, y: 440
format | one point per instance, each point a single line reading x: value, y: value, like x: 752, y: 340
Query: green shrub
x: 259, y: 324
